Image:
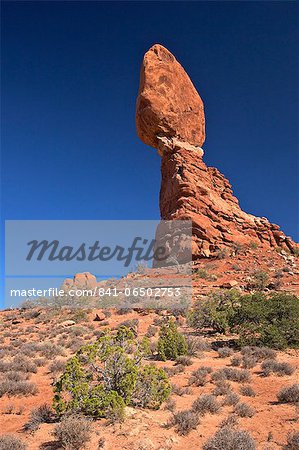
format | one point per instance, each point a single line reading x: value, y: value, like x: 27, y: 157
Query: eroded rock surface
x: 170, y: 117
x: 168, y: 103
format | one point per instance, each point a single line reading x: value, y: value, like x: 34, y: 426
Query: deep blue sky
x: 70, y: 73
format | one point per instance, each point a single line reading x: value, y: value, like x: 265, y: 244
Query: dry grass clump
x: 196, y: 345
x: 222, y: 388
x: 42, y: 414
x: 17, y: 388
x: 225, y: 352
x: 249, y: 362
x: 170, y: 405
x: 9, y: 442
x: 206, y: 403
x: 199, y: 376
x: 50, y: 350
x: 289, y: 394
x: 73, y: 432
x: 293, y: 441
x: 244, y: 410
x: 172, y: 371
x: 19, y: 364
x: 185, y: 421
x: 57, y: 366
x: 178, y: 390
x: 259, y: 353
x: 236, y: 361
x: 184, y: 360
x: 247, y: 391
x: 229, y: 438
x: 231, y: 399
x: 279, y: 368
x: 231, y: 374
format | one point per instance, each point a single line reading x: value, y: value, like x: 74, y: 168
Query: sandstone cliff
x: 170, y: 118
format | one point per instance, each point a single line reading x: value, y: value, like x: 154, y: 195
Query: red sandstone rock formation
x: 170, y: 117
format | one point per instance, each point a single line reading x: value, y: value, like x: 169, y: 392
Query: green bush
x: 152, y: 387
x: 216, y: 311
x: 260, y: 320
x: 271, y: 321
x: 105, y: 376
x: 171, y: 343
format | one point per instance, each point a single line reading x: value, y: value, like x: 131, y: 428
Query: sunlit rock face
x: 170, y: 117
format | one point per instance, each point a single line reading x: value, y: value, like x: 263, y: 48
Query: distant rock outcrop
x: 170, y: 118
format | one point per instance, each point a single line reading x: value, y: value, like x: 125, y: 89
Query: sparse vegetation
x: 199, y: 376
x: 73, y: 432
x: 244, y: 410
x: 225, y: 352
x: 230, y: 439
x: 172, y: 343
x: 206, y: 403
x: 247, y: 391
x: 289, y: 394
x: 231, y: 374
x: 105, y: 376
x: 231, y: 399
x: 280, y: 368
x: 185, y: 421
x: 9, y: 442
x: 293, y: 441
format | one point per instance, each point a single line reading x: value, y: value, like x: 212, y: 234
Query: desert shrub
x: 41, y: 414
x: 230, y: 421
x: 206, y: 403
x: 231, y: 399
x: 170, y: 405
x: 9, y: 442
x: 289, y: 394
x: 197, y: 344
x: 151, y: 331
x: 171, y: 343
x: 22, y: 364
x: 231, y: 374
x: 73, y: 432
x: 224, y: 352
x: 172, y: 371
x: 215, y: 312
x: 236, y: 361
x: 222, y: 388
x: 16, y: 376
x: 16, y: 388
x: 179, y: 390
x: 184, y: 360
x: 260, y: 320
x: 244, y: 410
x: 280, y: 368
x: 271, y: 321
x: 152, y: 387
x: 199, y: 376
x: 230, y: 439
x: 249, y: 362
x: 185, y: 421
x: 247, y: 391
x: 292, y: 441
x: 105, y: 376
x: 50, y: 350
x: 259, y: 280
x: 259, y: 353
x: 58, y: 365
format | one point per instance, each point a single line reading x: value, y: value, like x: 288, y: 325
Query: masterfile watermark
x: 69, y: 262
x: 54, y: 250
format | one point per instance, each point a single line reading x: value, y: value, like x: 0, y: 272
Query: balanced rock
x: 170, y: 117
x: 168, y: 104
